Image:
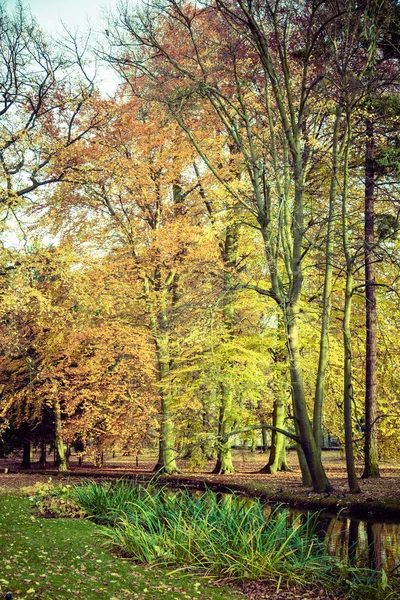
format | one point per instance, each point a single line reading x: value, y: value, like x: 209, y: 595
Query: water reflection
x: 363, y: 543
x: 367, y: 544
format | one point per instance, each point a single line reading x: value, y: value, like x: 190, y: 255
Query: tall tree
x: 279, y: 94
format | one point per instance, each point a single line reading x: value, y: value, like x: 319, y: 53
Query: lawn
x: 53, y: 559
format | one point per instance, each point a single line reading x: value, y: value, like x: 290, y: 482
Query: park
x: 199, y: 299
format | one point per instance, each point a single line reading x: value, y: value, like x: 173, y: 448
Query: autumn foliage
x: 224, y: 246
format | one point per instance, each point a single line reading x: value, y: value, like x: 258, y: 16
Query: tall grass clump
x: 222, y: 536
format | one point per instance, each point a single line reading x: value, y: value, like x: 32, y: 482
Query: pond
x: 371, y: 544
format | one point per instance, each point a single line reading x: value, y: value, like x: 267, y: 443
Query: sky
x: 74, y: 13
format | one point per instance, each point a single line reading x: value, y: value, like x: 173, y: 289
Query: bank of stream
x: 372, y: 542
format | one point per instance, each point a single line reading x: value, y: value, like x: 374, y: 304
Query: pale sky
x: 74, y: 13
x: 80, y: 15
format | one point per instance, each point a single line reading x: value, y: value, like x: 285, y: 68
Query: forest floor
x: 379, y: 498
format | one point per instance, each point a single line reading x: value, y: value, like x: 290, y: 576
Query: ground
x: 53, y: 559
x: 59, y: 559
x: 379, y: 495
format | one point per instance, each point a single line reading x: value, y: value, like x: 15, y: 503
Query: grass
x: 56, y: 559
x: 222, y: 537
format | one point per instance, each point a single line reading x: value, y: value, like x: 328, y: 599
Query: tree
x: 44, y: 96
x: 132, y: 179
x: 264, y: 112
x: 66, y: 355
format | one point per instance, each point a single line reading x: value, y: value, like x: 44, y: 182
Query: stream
x: 364, y: 543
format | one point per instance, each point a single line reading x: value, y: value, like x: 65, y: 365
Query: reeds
x: 222, y: 536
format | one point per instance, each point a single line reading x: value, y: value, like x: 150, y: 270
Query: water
x: 364, y: 543
x: 372, y: 544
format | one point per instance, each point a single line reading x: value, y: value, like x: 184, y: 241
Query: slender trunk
x: 347, y: 367
x: 326, y: 297
x: 43, y: 458
x: 312, y: 457
x: 79, y: 449
x: 371, y: 465
x: 264, y: 440
x: 59, y: 442
x: 26, y: 455
x: 348, y: 386
x: 319, y: 479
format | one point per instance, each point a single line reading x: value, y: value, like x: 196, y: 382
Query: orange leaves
x: 59, y: 344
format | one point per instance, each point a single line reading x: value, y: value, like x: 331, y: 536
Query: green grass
x: 56, y: 559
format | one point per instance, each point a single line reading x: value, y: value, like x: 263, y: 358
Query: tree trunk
x: 167, y: 454
x: 224, y: 463
x: 348, y: 387
x: 159, y: 326
x: 347, y: 367
x: 43, y: 458
x: 59, y: 442
x: 371, y: 465
x: 26, y: 455
x: 277, y: 457
x: 98, y: 458
x: 326, y: 297
x: 319, y: 479
x: 264, y: 440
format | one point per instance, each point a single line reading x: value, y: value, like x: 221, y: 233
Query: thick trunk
x: 326, y: 297
x: 224, y: 463
x: 371, y: 465
x: 277, y: 457
x: 59, y: 442
x: 320, y: 482
x: 159, y: 326
x: 98, y: 458
x: 167, y: 454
